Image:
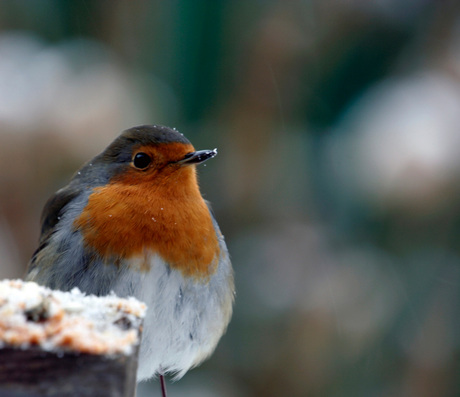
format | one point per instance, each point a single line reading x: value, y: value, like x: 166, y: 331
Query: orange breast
x: 132, y: 219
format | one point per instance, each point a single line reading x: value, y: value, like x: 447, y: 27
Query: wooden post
x: 55, y: 343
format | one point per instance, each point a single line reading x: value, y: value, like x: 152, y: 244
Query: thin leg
x: 163, y: 386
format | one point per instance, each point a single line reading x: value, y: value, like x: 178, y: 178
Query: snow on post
x: 55, y: 343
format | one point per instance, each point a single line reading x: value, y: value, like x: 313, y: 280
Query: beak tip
x: 198, y: 157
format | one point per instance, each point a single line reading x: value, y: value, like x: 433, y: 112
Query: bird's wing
x: 53, y: 210
x: 50, y: 218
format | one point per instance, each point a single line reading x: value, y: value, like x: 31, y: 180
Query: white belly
x: 185, y: 317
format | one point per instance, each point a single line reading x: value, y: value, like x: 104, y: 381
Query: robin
x: 133, y: 221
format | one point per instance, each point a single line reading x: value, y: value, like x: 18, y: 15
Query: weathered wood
x: 67, y: 344
x: 35, y: 373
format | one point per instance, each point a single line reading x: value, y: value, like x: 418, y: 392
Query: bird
x: 133, y: 221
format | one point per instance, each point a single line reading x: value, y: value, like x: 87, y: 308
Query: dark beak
x: 198, y: 157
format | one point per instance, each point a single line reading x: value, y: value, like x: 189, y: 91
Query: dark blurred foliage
x: 337, y: 183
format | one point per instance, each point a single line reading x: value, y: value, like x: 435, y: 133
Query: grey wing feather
x: 53, y: 210
x: 50, y: 217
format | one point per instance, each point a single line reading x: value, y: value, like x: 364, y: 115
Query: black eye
x: 141, y: 160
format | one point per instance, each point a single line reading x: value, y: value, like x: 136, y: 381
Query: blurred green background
x: 337, y: 183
